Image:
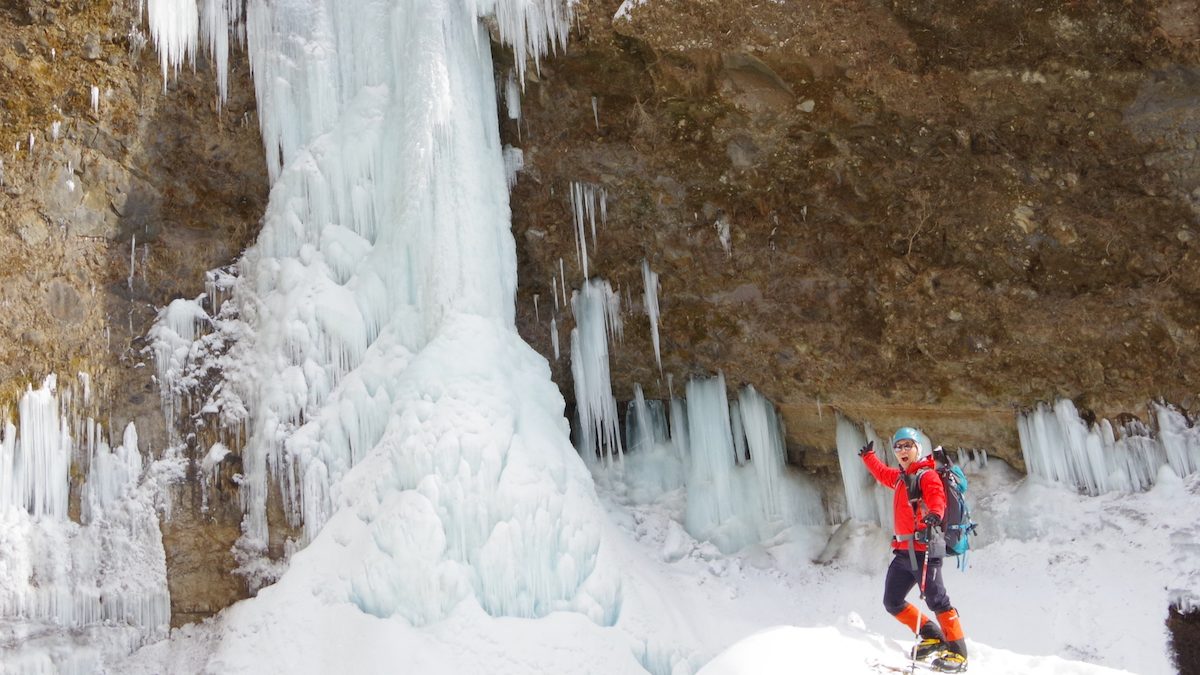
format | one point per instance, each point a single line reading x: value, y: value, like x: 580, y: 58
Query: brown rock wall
x: 921, y: 212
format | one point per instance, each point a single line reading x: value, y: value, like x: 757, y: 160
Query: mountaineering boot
x: 949, y: 662
x: 953, y: 658
x: 931, y: 642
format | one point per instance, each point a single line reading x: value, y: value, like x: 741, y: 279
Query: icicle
x: 554, y: 292
x: 96, y: 100
x: 596, y: 112
x: 1180, y: 439
x: 710, y: 498
x: 679, y: 426
x: 723, y: 234
x: 650, y: 284
x: 1058, y: 445
x: 554, y: 337
x: 175, y: 29
x: 220, y: 16
x: 597, y: 319
x: 645, y: 423
x: 121, y: 603
x: 536, y: 315
x: 563, y: 281
x: 860, y: 486
x: 386, y: 241
x: 132, y: 259
x: 764, y: 439
x: 578, y: 219
x: 35, y: 457
x: 514, y: 162
x: 31, y: 143
x: 740, y: 454
x: 512, y: 97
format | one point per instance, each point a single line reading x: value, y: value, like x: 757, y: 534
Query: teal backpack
x: 957, y: 526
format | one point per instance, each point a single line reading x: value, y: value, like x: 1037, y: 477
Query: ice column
x: 597, y: 318
x: 710, y: 498
x: 731, y: 500
x: 764, y: 437
x: 645, y: 423
x: 861, y: 500
x: 679, y: 426
x: 1180, y: 439
x: 35, y: 459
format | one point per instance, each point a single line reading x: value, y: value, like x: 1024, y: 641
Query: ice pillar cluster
x: 1058, y: 445
x: 75, y: 588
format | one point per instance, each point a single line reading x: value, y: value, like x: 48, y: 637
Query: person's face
x: 906, y: 451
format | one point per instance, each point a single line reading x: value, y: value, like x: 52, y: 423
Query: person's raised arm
x: 883, y: 473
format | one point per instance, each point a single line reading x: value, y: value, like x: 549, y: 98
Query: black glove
x: 932, y: 520
x: 866, y: 449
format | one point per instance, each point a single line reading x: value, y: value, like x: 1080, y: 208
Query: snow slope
x: 850, y: 650
x: 1063, y: 583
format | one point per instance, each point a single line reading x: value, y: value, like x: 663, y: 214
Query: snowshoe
x: 949, y: 662
x: 928, y: 647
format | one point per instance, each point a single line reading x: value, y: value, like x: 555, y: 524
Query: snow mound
x: 850, y: 649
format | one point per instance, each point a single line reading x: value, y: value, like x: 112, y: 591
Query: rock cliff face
x: 118, y: 193
x: 923, y: 212
x: 908, y: 211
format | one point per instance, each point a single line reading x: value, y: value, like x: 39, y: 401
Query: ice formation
x: 861, y: 489
x: 645, y: 423
x: 370, y: 364
x: 72, y: 593
x: 514, y: 162
x: 650, y: 285
x: 174, y: 27
x: 554, y: 337
x: 587, y: 203
x: 733, y: 501
x: 1058, y: 445
x: 597, y: 311
x: 512, y: 96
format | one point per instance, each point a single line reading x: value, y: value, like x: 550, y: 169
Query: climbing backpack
x: 957, y: 526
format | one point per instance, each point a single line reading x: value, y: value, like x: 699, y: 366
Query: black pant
x: 901, y: 578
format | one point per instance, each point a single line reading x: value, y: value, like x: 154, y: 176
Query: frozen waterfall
x: 368, y: 349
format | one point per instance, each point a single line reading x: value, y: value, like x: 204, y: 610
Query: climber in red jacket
x: 918, y: 522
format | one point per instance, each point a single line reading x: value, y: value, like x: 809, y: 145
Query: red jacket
x: 932, y: 493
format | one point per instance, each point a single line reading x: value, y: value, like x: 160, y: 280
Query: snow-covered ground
x: 1061, y: 583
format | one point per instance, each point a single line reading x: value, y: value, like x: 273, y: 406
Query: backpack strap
x: 912, y: 485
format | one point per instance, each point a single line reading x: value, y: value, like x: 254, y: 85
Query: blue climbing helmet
x: 911, y: 434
